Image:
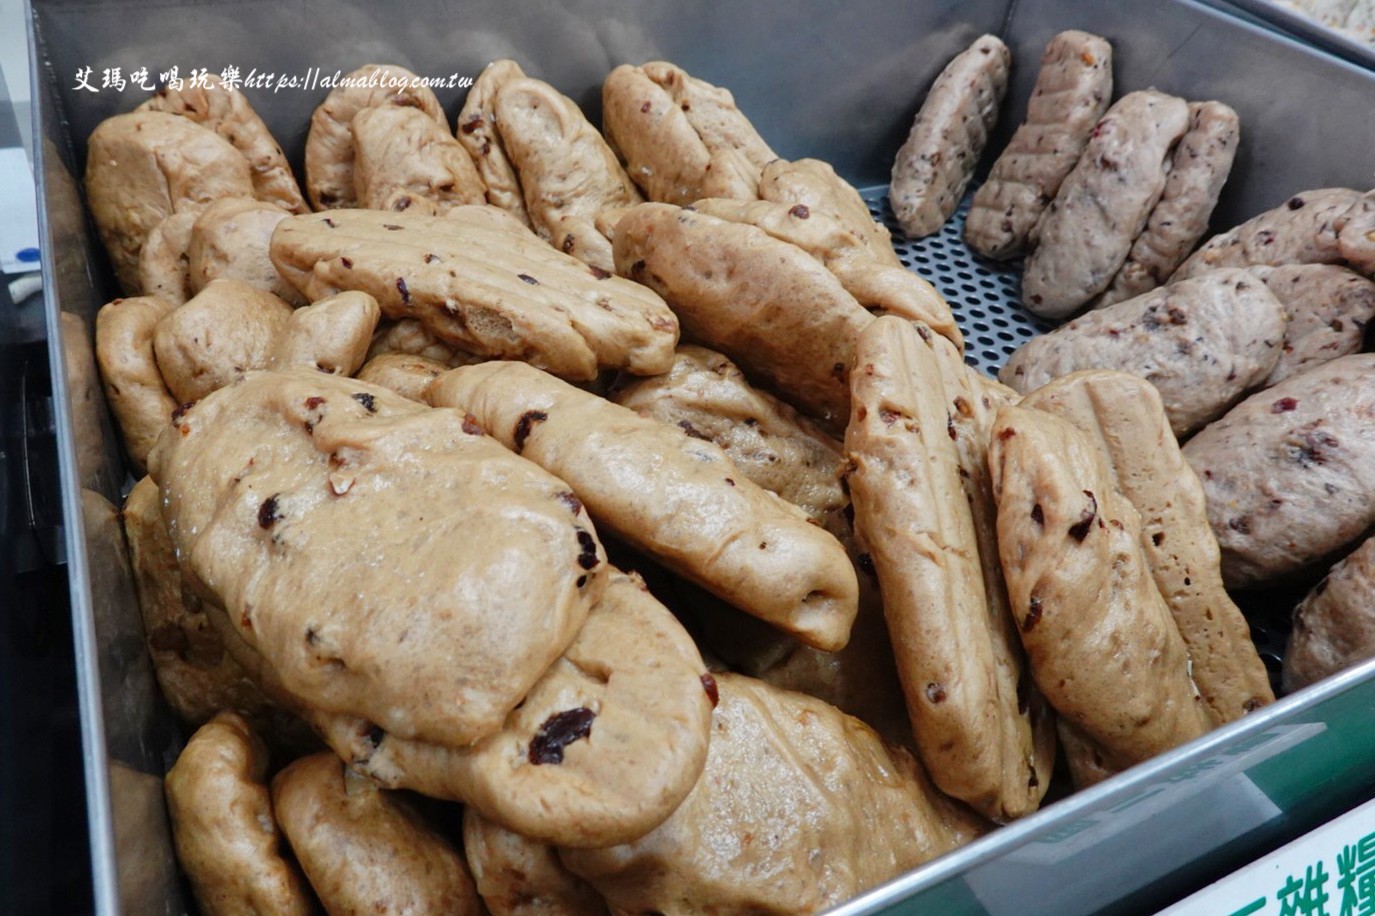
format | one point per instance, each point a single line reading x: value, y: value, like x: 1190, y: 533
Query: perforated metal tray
x: 984, y: 295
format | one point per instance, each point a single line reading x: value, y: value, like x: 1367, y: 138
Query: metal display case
x: 836, y: 81
x: 40, y: 780
x: 1345, y: 44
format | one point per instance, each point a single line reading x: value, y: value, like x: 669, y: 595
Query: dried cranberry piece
x: 713, y: 692
x: 587, y: 545
x: 527, y: 422
x: 687, y: 427
x: 1315, y: 449
x: 1080, y: 529
x: 557, y: 732
x: 267, y: 512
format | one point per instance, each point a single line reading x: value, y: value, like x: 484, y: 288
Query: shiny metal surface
x: 1145, y: 838
x: 858, y: 69
x: 1305, y: 29
x: 836, y: 81
x: 55, y: 222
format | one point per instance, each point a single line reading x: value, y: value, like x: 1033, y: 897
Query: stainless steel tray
x: 840, y: 82
x: 1306, y: 29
